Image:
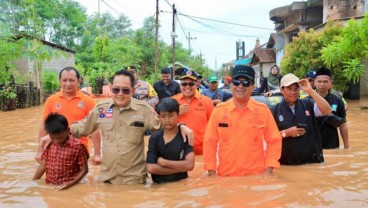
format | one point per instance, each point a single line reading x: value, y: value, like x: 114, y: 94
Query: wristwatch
x: 283, y: 133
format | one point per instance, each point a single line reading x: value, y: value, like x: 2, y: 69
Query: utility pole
x: 98, y: 17
x: 156, y: 43
x: 173, y: 36
x: 190, y: 38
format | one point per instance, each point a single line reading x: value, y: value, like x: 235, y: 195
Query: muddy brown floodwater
x: 342, y: 181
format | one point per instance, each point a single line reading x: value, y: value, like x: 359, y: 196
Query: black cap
x: 323, y: 71
x: 131, y: 68
x: 166, y: 70
x: 189, y: 74
x: 243, y: 71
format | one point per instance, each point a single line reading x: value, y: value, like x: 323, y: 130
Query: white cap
x: 288, y: 80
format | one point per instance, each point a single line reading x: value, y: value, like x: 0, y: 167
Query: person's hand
x: 43, y: 144
x: 211, y: 173
x: 62, y: 187
x: 267, y: 94
x: 96, y: 159
x: 295, y: 131
x: 268, y: 171
x: 187, y: 133
x: 183, y: 108
x: 305, y: 85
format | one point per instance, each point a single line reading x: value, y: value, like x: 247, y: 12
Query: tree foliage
x: 100, y: 52
x: 305, y: 53
x: 346, y: 53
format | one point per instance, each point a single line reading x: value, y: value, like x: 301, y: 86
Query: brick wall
x: 59, y: 61
x: 63, y: 59
x: 339, y: 9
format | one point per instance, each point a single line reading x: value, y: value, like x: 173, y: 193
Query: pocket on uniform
x: 136, y: 129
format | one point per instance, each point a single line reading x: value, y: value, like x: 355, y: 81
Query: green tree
x: 346, y: 53
x: 38, y: 53
x: 305, y: 53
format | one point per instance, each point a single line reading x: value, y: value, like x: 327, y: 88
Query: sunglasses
x: 184, y: 84
x: 245, y: 83
x: 310, y: 80
x: 117, y: 90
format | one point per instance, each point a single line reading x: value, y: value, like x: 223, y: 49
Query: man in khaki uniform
x: 122, y: 121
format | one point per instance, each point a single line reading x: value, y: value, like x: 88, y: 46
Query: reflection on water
x: 341, y: 181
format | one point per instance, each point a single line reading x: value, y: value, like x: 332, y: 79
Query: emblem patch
x: 281, y: 118
x: 307, y: 113
x: 334, y: 107
x: 81, y: 104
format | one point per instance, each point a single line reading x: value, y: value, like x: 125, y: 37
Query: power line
x: 220, y: 30
x: 117, y: 12
x: 169, y: 4
x: 224, y: 22
x: 181, y: 26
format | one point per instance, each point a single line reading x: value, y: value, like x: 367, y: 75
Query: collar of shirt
x: 251, y: 105
x: 132, y: 104
x: 196, y: 95
x: 79, y: 93
x: 70, y: 142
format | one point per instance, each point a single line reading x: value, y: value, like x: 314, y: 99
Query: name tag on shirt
x: 224, y: 125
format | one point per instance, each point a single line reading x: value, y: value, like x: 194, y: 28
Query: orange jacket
x: 238, y: 136
x: 74, y: 109
x: 200, y: 109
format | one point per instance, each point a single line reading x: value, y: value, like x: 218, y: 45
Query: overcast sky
x: 216, y: 41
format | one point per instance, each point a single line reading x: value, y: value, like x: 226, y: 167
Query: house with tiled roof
x: 263, y: 58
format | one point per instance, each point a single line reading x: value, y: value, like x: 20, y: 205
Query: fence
x: 26, y: 96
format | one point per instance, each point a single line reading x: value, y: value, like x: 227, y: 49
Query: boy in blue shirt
x: 169, y: 157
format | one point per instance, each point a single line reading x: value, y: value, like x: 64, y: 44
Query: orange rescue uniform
x: 74, y: 109
x: 238, y: 135
x: 200, y: 109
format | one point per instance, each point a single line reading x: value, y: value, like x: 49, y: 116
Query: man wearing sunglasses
x: 235, y: 134
x: 195, y: 109
x: 123, y: 121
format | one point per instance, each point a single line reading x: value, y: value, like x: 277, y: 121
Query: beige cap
x: 288, y: 80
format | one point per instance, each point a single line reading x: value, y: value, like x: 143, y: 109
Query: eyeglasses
x: 245, y: 83
x: 184, y: 84
x: 117, y: 90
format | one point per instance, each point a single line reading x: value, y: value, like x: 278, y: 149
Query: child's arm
x: 157, y: 169
x: 79, y: 177
x: 179, y: 166
x: 40, y: 171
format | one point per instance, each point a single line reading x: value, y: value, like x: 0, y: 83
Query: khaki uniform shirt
x: 145, y: 91
x: 122, y: 132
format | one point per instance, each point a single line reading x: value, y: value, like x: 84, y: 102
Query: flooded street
x: 342, y: 181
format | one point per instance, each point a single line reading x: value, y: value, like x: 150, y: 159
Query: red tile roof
x: 264, y: 55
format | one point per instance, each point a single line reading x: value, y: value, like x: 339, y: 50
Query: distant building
x: 263, y: 58
x: 65, y: 58
x: 301, y: 16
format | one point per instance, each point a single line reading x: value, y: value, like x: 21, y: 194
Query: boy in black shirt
x: 169, y: 157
